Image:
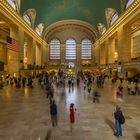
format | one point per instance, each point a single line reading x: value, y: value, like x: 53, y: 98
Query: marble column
x: 121, y: 44
x: 107, y: 48
x: 62, y: 54
x: 97, y: 54
x: 38, y: 54
x: 21, y: 48
x: 121, y: 50
x: 15, y: 59
x: 111, y: 51
x: 47, y: 56
x: 78, y: 57
x: 29, y: 49
x: 102, y: 54
x: 93, y: 55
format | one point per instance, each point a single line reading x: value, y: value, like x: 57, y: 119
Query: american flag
x: 12, y: 44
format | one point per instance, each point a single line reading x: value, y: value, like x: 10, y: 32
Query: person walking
x: 120, y: 88
x: 96, y: 96
x: 119, y: 120
x: 129, y: 88
x: 72, y: 116
x: 53, y: 112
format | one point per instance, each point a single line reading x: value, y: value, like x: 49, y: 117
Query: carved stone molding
x: 70, y: 28
x: 32, y: 14
x: 109, y: 12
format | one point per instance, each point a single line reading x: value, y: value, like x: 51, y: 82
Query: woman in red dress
x: 72, y: 115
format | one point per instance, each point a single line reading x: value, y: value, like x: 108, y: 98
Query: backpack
x: 122, y: 119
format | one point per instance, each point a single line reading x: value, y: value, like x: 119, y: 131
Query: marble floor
x: 24, y: 114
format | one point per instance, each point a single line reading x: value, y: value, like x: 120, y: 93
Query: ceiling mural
x: 51, y: 11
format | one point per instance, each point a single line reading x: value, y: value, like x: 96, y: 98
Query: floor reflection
x: 25, y: 114
x: 71, y: 97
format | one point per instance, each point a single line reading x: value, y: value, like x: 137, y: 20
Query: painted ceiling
x: 51, y: 11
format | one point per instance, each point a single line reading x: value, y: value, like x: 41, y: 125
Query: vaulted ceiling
x: 51, y: 11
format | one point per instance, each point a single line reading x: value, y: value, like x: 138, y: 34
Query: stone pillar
x: 111, y: 51
x: 33, y: 50
x: 107, y: 48
x: 102, y: 54
x: 47, y: 56
x: 21, y: 46
x: 38, y: 54
x: 15, y: 59
x: 121, y: 50
x: 62, y: 53
x: 78, y: 57
x: 42, y: 53
x: 44, y: 58
x: 29, y: 49
x: 121, y: 43
x: 97, y: 54
x: 93, y: 55
x: 127, y: 47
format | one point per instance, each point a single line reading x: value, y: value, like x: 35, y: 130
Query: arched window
x: 55, y: 49
x: 129, y: 3
x: 104, y: 30
x: 114, y: 18
x: 39, y: 29
x: 86, y: 51
x: 70, y: 49
x: 27, y: 19
x: 12, y: 3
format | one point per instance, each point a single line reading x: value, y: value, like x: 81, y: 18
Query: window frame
x: 12, y: 3
x: 129, y: 3
x: 104, y: 30
x: 58, y: 44
x: 72, y: 55
x: 114, y: 18
x: 85, y: 56
x: 28, y: 21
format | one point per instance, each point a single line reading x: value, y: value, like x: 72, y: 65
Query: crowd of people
x: 48, y: 81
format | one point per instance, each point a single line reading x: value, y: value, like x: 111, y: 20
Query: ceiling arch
x: 65, y: 28
x: 51, y: 11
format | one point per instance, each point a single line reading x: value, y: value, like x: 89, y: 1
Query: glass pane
x: 27, y: 19
x: 70, y: 49
x: 114, y: 18
x: 12, y: 3
x: 86, y: 49
x: 104, y: 30
x: 54, y: 49
x: 129, y: 3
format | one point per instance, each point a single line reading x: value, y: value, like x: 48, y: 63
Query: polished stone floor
x: 24, y: 114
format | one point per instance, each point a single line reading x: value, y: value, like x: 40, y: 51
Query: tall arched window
x: 114, y: 18
x: 104, y: 30
x: 86, y: 51
x: 39, y: 28
x: 129, y: 2
x: 70, y: 49
x: 27, y: 19
x: 55, y: 49
x: 12, y: 3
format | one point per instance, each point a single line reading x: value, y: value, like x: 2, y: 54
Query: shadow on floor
x: 48, y: 135
x: 111, y: 124
x: 137, y: 136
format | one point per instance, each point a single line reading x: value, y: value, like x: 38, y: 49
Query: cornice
x: 122, y: 19
x: 17, y: 19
